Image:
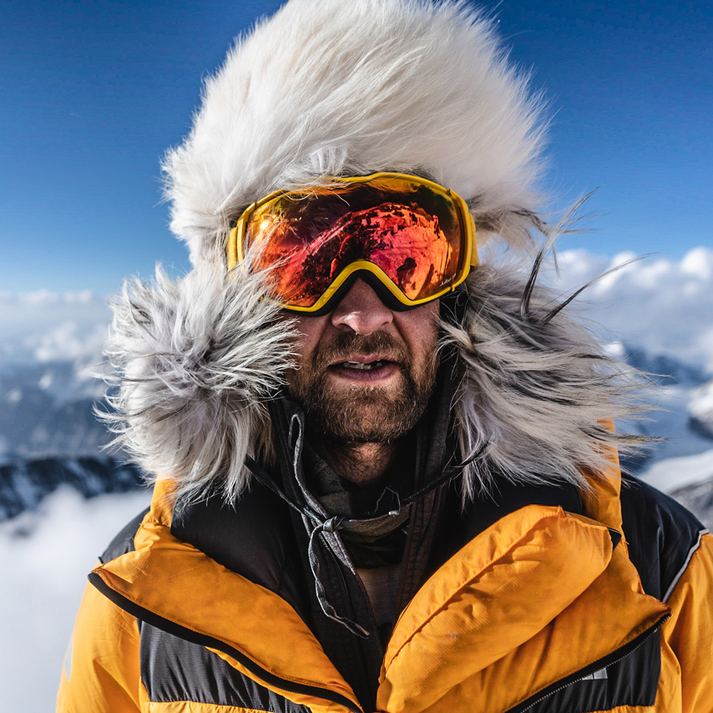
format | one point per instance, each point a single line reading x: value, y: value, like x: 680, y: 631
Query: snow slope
x: 672, y: 474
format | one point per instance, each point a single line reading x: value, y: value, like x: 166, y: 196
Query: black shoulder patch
x: 253, y: 537
x: 173, y: 669
x: 660, y: 533
x: 124, y: 541
x: 632, y: 680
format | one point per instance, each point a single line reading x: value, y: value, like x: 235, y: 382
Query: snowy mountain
x: 26, y: 482
x: 49, y: 435
x: 673, y: 396
x: 47, y: 409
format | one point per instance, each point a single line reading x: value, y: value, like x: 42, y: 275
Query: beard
x: 360, y: 413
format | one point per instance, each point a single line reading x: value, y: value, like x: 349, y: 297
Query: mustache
x: 349, y: 344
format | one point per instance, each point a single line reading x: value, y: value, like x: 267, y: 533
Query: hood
x: 327, y: 87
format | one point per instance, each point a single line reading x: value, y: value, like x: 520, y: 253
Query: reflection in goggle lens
x: 308, y: 240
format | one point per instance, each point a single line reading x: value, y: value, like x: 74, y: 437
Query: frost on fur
x: 196, y: 360
x: 536, y: 393
x: 328, y: 87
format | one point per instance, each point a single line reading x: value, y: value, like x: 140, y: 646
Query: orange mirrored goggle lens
x: 411, y: 230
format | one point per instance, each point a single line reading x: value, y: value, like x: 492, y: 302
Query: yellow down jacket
x: 534, y: 614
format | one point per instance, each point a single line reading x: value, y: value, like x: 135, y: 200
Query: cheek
x: 419, y: 329
x: 310, y: 331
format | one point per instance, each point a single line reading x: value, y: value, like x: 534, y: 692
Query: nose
x: 361, y: 310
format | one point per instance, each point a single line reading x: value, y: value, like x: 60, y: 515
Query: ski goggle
x: 409, y: 238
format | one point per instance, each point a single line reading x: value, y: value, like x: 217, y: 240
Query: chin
x: 371, y: 417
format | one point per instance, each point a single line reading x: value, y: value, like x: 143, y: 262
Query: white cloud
x: 70, y: 341
x: 45, y: 558
x: 662, y: 306
x: 44, y: 326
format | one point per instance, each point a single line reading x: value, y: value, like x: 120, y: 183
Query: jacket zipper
x: 608, y: 660
x: 183, y: 632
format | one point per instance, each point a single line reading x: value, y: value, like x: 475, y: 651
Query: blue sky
x: 92, y: 94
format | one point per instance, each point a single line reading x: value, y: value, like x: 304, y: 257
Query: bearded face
x: 363, y: 389
x: 365, y: 373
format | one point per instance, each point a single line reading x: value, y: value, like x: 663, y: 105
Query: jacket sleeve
x: 101, y: 667
x: 689, y: 631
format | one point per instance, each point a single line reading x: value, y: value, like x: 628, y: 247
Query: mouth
x: 364, y: 366
x: 369, y: 369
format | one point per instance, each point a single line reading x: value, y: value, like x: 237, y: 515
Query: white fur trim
x: 538, y: 394
x: 196, y: 359
x: 330, y: 87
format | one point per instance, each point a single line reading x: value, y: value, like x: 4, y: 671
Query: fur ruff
x: 196, y: 360
x: 537, y: 390
x: 327, y: 87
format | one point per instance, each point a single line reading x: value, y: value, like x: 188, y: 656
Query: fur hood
x: 327, y: 87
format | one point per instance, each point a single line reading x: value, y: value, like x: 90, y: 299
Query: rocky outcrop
x: 25, y: 482
x: 698, y: 499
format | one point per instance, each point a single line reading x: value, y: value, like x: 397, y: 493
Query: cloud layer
x: 46, y: 326
x: 662, y: 306
x: 45, y: 558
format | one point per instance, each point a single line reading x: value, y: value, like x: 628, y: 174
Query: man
x: 386, y: 477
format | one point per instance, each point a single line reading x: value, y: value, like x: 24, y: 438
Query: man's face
x: 365, y: 372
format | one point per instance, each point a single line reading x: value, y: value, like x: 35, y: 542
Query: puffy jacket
x: 543, y: 610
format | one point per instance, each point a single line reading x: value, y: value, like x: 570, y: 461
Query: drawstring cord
x: 333, y: 524
x: 330, y: 525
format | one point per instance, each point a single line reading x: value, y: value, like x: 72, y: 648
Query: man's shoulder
x: 252, y: 537
x: 256, y: 521
x: 124, y: 540
x: 661, y: 535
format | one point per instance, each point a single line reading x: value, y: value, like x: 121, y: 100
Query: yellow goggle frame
x: 236, y: 242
